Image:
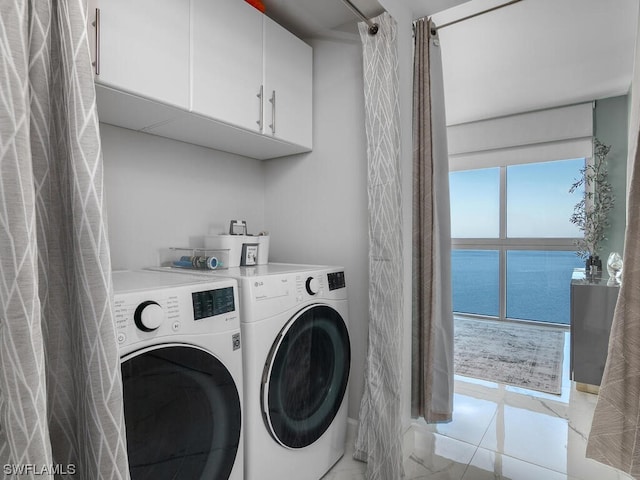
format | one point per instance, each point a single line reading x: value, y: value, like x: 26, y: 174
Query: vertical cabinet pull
x: 273, y: 112
x: 260, y: 95
x: 96, y: 24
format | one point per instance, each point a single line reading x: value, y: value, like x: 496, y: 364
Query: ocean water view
x: 538, y: 283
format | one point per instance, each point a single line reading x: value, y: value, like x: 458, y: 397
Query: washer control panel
x: 148, y: 316
x: 312, y: 285
x: 172, y: 306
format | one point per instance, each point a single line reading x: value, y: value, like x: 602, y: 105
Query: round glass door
x: 182, y: 414
x: 306, y: 376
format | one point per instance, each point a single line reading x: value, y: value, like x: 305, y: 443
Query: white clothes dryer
x: 181, y: 362
x: 296, y: 357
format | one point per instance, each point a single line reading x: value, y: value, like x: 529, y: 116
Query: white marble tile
x: 578, y: 466
x: 502, y: 432
x: 471, y: 417
x: 347, y: 464
x: 437, y: 457
x: 345, y: 475
x: 475, y: 381
x: 581, y: 408
x: 533, y: 437
x: 415, y: 471
x: 487, y: 465
x: 580, y: 416
x: 480, y: 389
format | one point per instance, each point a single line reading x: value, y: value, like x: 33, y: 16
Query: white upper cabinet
x: 249, y: 71
x: 226, y: 61
x: 216, y: 73
x: 287, y: 85
x: 144, y: 48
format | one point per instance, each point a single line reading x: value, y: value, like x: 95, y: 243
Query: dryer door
x: 306, y: 375
x: 182, y: 414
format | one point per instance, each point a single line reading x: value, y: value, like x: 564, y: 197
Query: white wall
x: 163, y: 193
x: 316, y: 203
x: 611, y: 128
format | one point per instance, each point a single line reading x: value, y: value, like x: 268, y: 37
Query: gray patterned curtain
x: 380, y: 428
x: 615, y: 431
x: 432, y: 334
x: 61, y: 405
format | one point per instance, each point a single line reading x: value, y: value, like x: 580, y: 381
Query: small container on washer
x: 195, y: 258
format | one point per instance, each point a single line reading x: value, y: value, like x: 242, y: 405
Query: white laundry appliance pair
x: 181, y: 362
x: 296, y: 361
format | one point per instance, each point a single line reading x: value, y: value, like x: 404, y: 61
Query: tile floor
x: 502, y: 432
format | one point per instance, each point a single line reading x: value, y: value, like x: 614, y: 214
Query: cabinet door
x: 144, y: 48
x: 226, y: 61
x: 288, y: 84
x: 592, y: 309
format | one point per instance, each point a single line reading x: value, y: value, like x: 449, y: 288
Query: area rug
x: 527, y: 356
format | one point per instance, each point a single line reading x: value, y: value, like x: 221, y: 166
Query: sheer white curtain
x: 61, y: 404
x: 379, y: 435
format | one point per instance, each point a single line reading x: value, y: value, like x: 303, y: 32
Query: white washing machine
x: 181, y: 361
x: 296, y: 353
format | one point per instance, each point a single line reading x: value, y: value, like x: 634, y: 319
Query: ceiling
x: 530, y: 55
x: 320, y: 18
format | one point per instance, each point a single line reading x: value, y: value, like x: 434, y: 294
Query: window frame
x: 502, y: 244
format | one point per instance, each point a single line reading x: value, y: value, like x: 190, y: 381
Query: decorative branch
x: 591, y: 214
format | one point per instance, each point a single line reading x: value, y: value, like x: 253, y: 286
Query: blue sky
x: 538, y: 200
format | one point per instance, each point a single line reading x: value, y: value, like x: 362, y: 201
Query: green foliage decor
x: 591, y: 214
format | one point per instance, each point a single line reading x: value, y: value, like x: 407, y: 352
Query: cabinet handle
x: 260, y: 95
x: 273, y: 112
x: 96, y: 24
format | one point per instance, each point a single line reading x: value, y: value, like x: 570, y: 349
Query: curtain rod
x: 497, y: 7
x: 373, y: 27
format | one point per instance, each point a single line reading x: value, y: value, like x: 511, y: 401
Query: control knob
x: 148, y: 316
x: 313, y: 286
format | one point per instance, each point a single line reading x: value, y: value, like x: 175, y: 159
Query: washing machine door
x: 182, y: 414
x: 305, y: 376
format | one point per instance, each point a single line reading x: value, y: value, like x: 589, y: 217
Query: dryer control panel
x: 268, y: 295
x: 336, y: 280
x: 312, y: 285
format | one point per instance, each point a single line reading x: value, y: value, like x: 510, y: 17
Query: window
x: 538, y: 284
x: 538, y: 199
x: 477, y: 196
x: 476, y: 280
x: 513, y: 252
